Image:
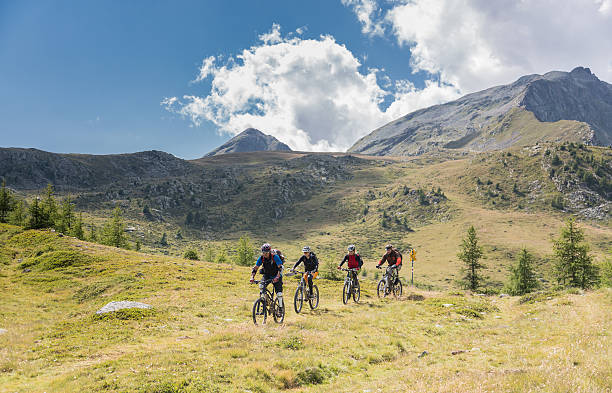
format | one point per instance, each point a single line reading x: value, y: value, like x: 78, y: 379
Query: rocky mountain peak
x: 250, y: 140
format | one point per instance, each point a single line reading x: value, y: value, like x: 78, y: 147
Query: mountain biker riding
x: 394, y: 259
x: 311, y: 266
x: 272, y: 268
x: 354, y: 262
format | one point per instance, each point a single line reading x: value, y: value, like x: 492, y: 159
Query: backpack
x: 280, y: 255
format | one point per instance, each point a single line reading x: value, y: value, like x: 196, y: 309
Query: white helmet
x: 305, y: 249
x: 351, y: 247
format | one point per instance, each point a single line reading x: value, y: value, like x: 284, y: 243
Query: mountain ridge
x: 475, y: 121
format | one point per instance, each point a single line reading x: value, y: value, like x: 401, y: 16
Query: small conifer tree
x: 522, y: 278
x: 573, y: 265
x: 470, y: 254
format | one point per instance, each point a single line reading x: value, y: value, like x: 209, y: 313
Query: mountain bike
x: 303, y: 290
x: 267, y: 303
x: 351, y: 287
x: 389, y: 284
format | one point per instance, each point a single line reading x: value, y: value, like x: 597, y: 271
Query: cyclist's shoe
x: 378, y: 267
x: 339, y: 267
x: 252, y: 280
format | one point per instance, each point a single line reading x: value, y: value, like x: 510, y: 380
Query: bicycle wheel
x: 259, y: 312
x: 346, y: 292
x: 397, y: 289
x: 278, y: 311
x: 356, y: 293
x: 298, y: 299
x: 381, y: 288
x: 314, y: 300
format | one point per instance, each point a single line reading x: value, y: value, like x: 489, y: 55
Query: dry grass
x: 200, y: 337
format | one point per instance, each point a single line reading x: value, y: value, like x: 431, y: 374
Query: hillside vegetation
x: 199, y: 336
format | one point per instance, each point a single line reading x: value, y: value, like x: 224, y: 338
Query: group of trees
x: 46, y: 212
x: 573, y: 266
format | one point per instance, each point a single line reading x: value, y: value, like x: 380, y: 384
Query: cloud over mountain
x: 310, y: 93
x: 476, y: 44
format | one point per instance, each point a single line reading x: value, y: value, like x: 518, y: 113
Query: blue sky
x: 91, y: 76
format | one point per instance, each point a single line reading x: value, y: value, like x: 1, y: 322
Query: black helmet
x: 388, y: 246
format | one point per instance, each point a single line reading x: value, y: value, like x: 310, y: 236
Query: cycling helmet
x: 306, y: 249
x: 351, y: 247
x: 388, y: 246
x: 266, y: 247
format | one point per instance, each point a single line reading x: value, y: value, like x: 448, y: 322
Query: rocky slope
x: 30, y: 169
x: 554, y: 107
x: 250, y: 140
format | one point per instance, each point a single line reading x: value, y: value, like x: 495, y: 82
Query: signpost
x: 412, y: 259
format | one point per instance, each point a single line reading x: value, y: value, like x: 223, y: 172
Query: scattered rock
x: 479, y: 294
x: 228, y: 319
x: 448, y: 305
x: 116, y: 306
x: 497, y: 317
x: 27, y: 270
x: 504, y: 295
x: 438, y: 325
x: 3, y: 331
x: 78, y: 245
x: 60, y: 235
x: 205, y: 331
x: 416, y: 297
x: 457, y: 352
x: 423, y: 354
x: 19, y: 260
x: 475, y: 350
x: 139, y: 275
x: 184, y: 338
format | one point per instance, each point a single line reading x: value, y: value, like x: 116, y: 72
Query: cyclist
x: 394, y: 259
x: 272, y: 268
x: 354, y: 262
x: 311, y: 266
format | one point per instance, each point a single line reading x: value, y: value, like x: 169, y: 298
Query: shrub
x: 192, y: 255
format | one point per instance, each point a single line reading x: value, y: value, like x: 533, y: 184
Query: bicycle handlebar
x: 353, y: 269
x: 262, y: 281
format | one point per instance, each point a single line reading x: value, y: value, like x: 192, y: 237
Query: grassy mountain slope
x: 330, y: 201
x: 199, y: 336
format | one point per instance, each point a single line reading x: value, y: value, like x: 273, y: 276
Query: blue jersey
x: 271, y: 266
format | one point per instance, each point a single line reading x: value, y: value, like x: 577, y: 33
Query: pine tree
x: 113, y: 233
x: 470, y: 254
x: 77, y: 228
x: 6, y: 202
x: 36, y: 216
x: 49, y: 208
x: 574, y: 266
x: 18, y: 215
x: 245, y: 255
x: 164, y: 240
x: 522, y: 279
x: 65, y: 219
x: 92, y: 234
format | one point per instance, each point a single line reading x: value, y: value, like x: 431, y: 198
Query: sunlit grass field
x: 199, y: 337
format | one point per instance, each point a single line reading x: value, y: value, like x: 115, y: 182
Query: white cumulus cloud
x: 475, y: 44
x: 309, y: 93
